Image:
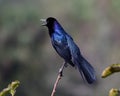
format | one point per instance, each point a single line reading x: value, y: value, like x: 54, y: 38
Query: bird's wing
x: 74, y: 50
x: 85, y: 68
x: 62, y: 48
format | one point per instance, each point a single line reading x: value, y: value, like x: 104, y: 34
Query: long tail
x: 86, y: 70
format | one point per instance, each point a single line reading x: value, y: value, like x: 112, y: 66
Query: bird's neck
x: 51, y: 31
x: 56, y: 28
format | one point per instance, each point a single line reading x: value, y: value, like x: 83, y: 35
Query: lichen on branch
x: 110, y: 70
x: 11, y: 89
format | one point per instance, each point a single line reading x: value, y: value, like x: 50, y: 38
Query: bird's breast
x: 59, y: 38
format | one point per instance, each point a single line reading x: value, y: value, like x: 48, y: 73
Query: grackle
x: 65, y: 46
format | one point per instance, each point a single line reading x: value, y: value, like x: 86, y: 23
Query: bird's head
x: 49, y: 22
x: 52, y: 25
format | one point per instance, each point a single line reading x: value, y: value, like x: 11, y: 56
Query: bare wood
x: 58, y: 78
x: 55, y: 85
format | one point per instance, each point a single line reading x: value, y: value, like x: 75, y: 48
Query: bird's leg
x: 66, y: 65
x: 61, y: 68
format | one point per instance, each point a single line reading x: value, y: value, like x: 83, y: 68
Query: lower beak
x: 44, y: 23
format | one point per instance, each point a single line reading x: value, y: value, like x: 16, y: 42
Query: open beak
x: 44, y: 23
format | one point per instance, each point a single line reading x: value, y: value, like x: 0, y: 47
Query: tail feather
x: 86, y: 70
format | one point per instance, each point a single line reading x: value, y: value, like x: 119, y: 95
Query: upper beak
x: 44, y: 23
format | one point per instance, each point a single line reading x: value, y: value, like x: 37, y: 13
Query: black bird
x: 68, y: 50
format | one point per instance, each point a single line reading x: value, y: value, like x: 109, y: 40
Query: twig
x: 11, y: 89
x: 110, y: 70
x: 114, y: 92
x: 55, y: 85
x: 58, y: 78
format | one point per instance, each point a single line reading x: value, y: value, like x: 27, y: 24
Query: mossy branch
x: 107, y: 72
x: 110, y: 70
x: 114, y: 92
x: 11, y: 89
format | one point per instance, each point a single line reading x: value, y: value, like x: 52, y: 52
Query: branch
x: 58, y: 78
x: 114, y: 92
x: 11, y: 89
x: 110, y: 70
x: 55, y: 85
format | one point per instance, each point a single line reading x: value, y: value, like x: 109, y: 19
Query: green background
x: 26, y: 53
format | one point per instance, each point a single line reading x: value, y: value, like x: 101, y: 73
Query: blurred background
x: 26, y: 53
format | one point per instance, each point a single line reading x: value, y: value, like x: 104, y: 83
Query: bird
x: 65, y: 46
